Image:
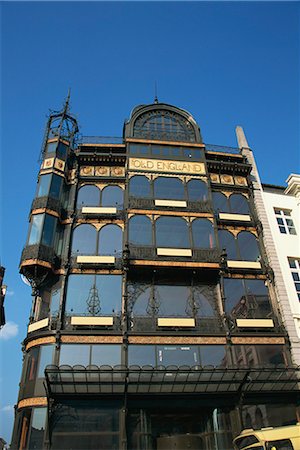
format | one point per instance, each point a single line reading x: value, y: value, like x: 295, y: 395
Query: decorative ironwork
x: 149, y: 203
x: 41, y: 252
x: 93, y: 301
x: 201, y: 255
x: 53, y: 204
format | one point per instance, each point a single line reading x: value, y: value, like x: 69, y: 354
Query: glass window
x: 73, y: 354
x: 32, y: 359
x: 168, y: 188
x: 55, y: 186
x: 197, y: 190
x: 49, y: 230
x: 51, y: 147
x: 174, y: 355
x: 139, y: 299
x: 36, y: 229
x: 110, y: 240
x: 45, y: 358
x: 112, y: 196
x: 44, y: 184
x: 203, y: 233
x: 205, y: 300
x: 172, y: 232
x: 62, y: 150
x: 38, y: 425
x: 84, y: 240
x: 248, y: 246
x: 173, y: 301
x: 141, y: 355
x: 88, y: 195
x: 139, y: 186
x: 106, y: 354
x: 235, y: 295
x: 212, y: 355
x: 239, y: 204
x: 220, y: 202
x: 94, y: 295
x: 55, y: 302
x: 227, y: 242
x: 285, y: 223
x: 294, y: 264
x: 140, y: 230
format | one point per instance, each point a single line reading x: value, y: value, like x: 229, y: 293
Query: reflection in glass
x: 140, y: 230
x: 239, y: 204
x: 248, y: 246
x: 112, y: 196
x: 140, y: 299
x: 55, y: 301
x: 84, y: 240
x: 204, y: 301
x: 110, y: 240
x: 73, y: 354
x: 168, y: 188
x: 227, y: 242
x: 55, y: 186
x: 45, y: 358
x: 173, y: 301
x: 139, y: 186
x: 49, y: 230
x: 44, y: 184
x: 106, y: 354
x: 178, y: 356
x: 203, y: 233
x: 172, y: 232
x: 38, y: 425
x: 88, y: 195
x: 220, y: 202
x: 36, y: 229
x: 213, y: 355
x: 197, y: 190
x: 141, y: 355
x: 51, y: 147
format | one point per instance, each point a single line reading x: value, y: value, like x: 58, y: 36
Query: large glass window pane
x: 258, y: 297
x: 62, y: 150
x: 212, y: 355
x: 45, y: 358
x: 197, y: 190
x: 140, y: 230
x: 49, y: 230
x: 84, y: 240
x: 203, y: 233
x: 205, y: 301
x: 32, y: 360
x: 234, y: 294
x: 112, y: 196
x: 94, y: 295
x: 36, y: 229
x: 44, y: 183
x: 106, y: 354
x: 174, y: 355
x: 227, y: 242
x: 51, y: 147
x: 55, y: 186
x: 173, y: 301
x: 141, y: 355
x: 110, y: 240
x: 239, y: 204
x: 73, y: 354
x: 55, y: 301
x: 220, y: 202
x: 168, y: 188
x: 139, y: 186
x: 248, y: 246
x: 139, y: 299
x: 88, y: 195
x: 38, y: 425
x: 172, y: 232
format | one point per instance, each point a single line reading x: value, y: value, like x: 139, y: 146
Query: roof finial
x: 66, y: 106
x: 155, y: 91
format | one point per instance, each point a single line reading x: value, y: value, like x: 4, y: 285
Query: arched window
x: 110, y: 240
x: 168, y: 188
x: 84, y: 240
x: 248, y: 246
x: 112, y: 196
x: 220, y: 202
x: 88, y: 195
x: 227, y: 242
x: 172, y: 232
x: 140, y: 230
x: 139, y: 186
x: 239, y: 204
x: 197, y: 190
x: 203, y: 233
x: 173, y: 300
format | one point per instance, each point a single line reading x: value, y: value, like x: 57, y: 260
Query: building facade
x: 155, y: 321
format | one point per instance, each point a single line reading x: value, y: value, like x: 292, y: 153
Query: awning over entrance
x: 92, y: 380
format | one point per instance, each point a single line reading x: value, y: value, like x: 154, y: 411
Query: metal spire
x: 155, y: 91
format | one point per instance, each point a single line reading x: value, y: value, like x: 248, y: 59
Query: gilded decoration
x: 32, y: 401
x: 226, y: 179
x: 48, y: 163
x: 176, y: 340
x: 91, y: 339
x: 214, y: 178
x: 161, y: 165
x: 40, y: 341
x: 59, y: 164
x: 240, y: 181
x: 87, y: 171
x: 102, y: 171
x: 118, y: 171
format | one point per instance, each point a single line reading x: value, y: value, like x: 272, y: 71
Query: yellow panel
x: 37, y: 325
x: 244, y: 264
x: 172, y: 322
x: 255, y: 323
x: 174, y: 252
x: 175, y: 203
x: 48, y: 162
x: 96, y: 259
x: 161, y: 165
x: 92, y: 320
x: 240, y: 217
x: 59, y: 164
x: 98, y: 210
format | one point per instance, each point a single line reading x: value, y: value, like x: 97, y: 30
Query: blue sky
x: 228, y: 63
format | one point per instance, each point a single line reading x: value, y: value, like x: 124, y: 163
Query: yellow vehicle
x: 277, y: 438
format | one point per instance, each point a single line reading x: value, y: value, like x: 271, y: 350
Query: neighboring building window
x: 284, y: 220
x: 295, y: 270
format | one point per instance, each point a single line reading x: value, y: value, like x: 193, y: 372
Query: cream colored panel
x: 96, y: 259
x: 98, y: 210
x: 174, y: 252
x: 172, y: 322
x: 161, y: 165
x: 92, y: 320
x: 255, y: 323
x: 37, y: 325
x: 244, y: 264
x: 240, y: 217
x: 175, y: 203
x: 59, y: 164
x: 48, y: 163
